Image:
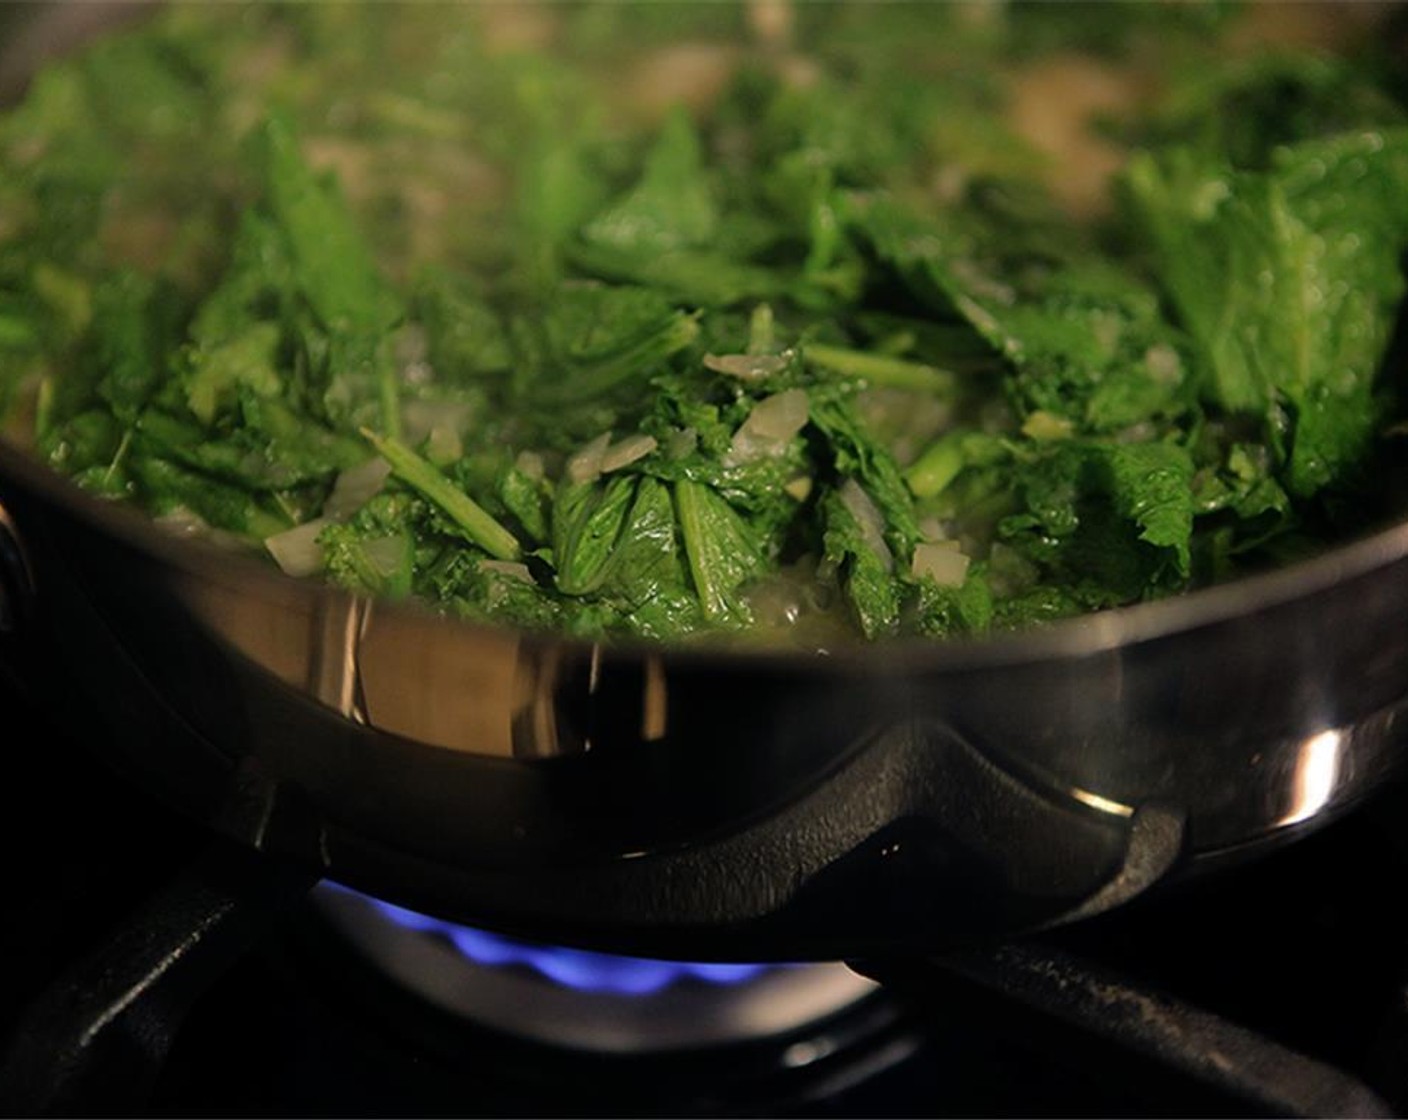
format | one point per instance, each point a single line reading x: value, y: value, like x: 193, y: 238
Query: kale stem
x: 931, y: 473
x: 688, y: 498
x: 390, y: 384
x: 118, y: 456
x: 882, y: 369
x: 43, y: 410
x: 423, y: 477
x: 762, y: 336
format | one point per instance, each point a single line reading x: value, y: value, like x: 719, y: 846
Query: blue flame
x: 579, y: 969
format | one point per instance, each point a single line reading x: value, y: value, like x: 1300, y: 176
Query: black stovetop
x: 1278, y: 986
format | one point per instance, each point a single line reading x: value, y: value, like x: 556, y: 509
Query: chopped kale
x: 1289, y: 281
x: 645, y: 324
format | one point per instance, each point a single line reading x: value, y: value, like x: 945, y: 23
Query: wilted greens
x: 664, y: 320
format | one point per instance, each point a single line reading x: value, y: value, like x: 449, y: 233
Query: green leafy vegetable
x: 1289, y: 280
x: 464, y: 511
x: 724, y: 322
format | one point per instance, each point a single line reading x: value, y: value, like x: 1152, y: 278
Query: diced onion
x: 440, y: 424
x: 627, y: 451
x: 872, y: 524
x: 531, y: 464
x: 1046, y: 426
x: 799, y: 488
x: 771, y: 21
x: 932, y: 529
x: 943, y: 561
x: 510, y: 568
x: 410, y: 349
x: 444, y: 446
x: 355, y: 487
x: 386, y: 554
x: 746, y: 367
x: 296, y: 550
x: 780, y: 416
x: 769, y: 427
x: 585, y: 465
x: 420, y: 419
x: 1164, y: 363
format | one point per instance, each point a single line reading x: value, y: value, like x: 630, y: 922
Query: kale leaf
x: 1289, y: 282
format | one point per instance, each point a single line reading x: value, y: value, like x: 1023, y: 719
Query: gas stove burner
x: 587, y: 1000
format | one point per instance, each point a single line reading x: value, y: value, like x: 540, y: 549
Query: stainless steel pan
x: 711, y: 804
